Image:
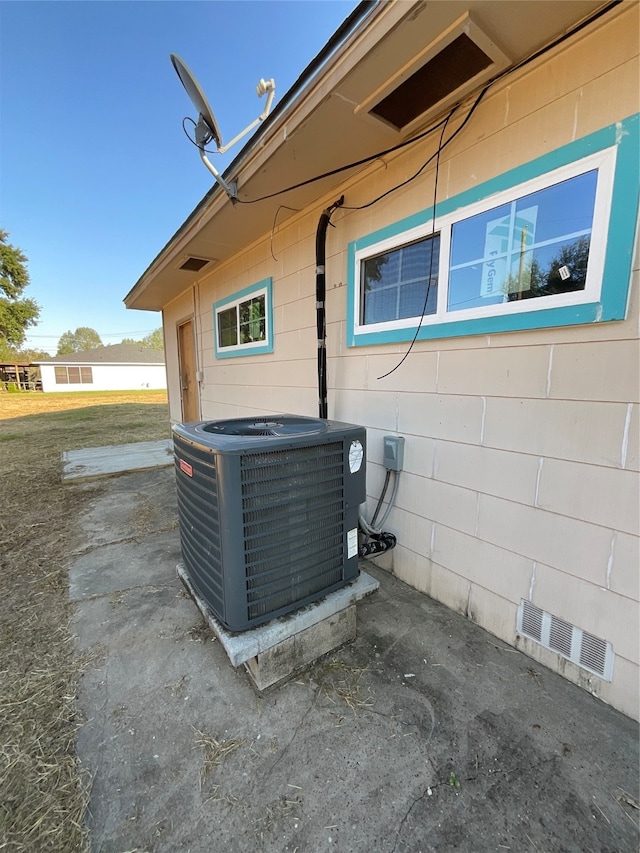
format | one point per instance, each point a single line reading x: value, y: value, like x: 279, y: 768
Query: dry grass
x: 215, y: 751
x: 271, y: 816
x: 339, y: 681
x: 42, y: 796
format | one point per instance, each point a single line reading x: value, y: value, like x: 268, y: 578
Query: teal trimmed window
x: 243, y: 322
x: 547, y: 244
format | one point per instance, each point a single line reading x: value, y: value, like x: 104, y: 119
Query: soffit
x: 327, y: 126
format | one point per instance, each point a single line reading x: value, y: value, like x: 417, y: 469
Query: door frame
x: 187, y: 370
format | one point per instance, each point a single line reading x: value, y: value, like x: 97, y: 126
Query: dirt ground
x: 42, y: 795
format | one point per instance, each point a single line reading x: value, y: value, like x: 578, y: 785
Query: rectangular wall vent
x: 194, y: 264
x: 578, y: 646
x: 450, y: 69
x: 458, y: 61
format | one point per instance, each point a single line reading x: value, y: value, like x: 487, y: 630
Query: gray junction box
x: 393, y: 452
x: 268, y: 511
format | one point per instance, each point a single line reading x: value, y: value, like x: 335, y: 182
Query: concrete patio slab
x: 94, y: 462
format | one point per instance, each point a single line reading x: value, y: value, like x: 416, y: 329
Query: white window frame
x: 604, y: 161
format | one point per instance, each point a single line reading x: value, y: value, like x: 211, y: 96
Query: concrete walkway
x: 425, y: 734
x: 95, y: 462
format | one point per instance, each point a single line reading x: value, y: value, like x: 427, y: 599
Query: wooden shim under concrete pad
x: 294, y: 654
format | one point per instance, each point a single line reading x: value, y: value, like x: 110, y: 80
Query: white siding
x: 110, y: 377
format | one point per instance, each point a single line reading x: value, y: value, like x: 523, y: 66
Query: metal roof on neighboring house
x: 113, y: 354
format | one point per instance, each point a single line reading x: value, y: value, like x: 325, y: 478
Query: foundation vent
x: 574, y: 644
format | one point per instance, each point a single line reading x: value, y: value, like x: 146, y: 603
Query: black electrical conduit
x: 376, y: 541
x: 321, y: 294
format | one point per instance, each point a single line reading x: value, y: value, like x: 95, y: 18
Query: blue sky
x: 96, y: 173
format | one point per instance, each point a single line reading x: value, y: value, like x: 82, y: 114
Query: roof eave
x: 216, y: 198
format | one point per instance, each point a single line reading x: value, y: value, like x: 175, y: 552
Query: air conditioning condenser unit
x: 268, y: 511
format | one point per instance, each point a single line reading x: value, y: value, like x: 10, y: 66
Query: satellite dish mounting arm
x: 264, y: 87
x: 207, y: 127
x: 203, y: 135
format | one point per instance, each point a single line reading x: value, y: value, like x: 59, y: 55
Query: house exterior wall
x: 521, y: 458
x: 109, y: 377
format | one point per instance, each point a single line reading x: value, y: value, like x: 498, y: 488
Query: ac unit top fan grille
x: 266, y: 426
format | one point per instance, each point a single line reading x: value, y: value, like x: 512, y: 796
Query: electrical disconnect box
x: 393, y: 452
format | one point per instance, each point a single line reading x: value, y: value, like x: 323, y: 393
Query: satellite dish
x: 198, y: 99
x: 207, y: 127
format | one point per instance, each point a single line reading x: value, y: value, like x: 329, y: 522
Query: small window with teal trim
x: 243, y: 322
x: 548, y: 244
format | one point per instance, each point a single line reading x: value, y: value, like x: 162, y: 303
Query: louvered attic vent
x: 573, y: 643
x: 458, y: 61
x: 194, y: 264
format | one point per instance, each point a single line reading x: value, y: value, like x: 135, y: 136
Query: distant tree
x: 572, y: 259
x: 82, y: 339
x: 16, y: 313
x: 21, y: 356
x: 154, y: 340
x: 8, y: 353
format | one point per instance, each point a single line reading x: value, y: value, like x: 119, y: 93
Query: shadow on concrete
x: 424, y: 734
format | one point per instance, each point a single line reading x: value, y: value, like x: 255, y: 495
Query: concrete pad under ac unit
x: 277, y: 650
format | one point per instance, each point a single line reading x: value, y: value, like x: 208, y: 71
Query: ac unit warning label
x: 184, y: 466
x: 352, y: 543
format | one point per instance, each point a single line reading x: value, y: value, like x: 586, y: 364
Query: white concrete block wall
x: 522, y: 449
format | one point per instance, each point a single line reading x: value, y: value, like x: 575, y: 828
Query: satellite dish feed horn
x: 207, y: 129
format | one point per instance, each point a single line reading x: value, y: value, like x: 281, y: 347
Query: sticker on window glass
x: 507, y: 239
x: 565, y: 273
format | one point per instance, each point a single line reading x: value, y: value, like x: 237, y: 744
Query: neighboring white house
x: 119, y: 367
x: 482, y: 301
